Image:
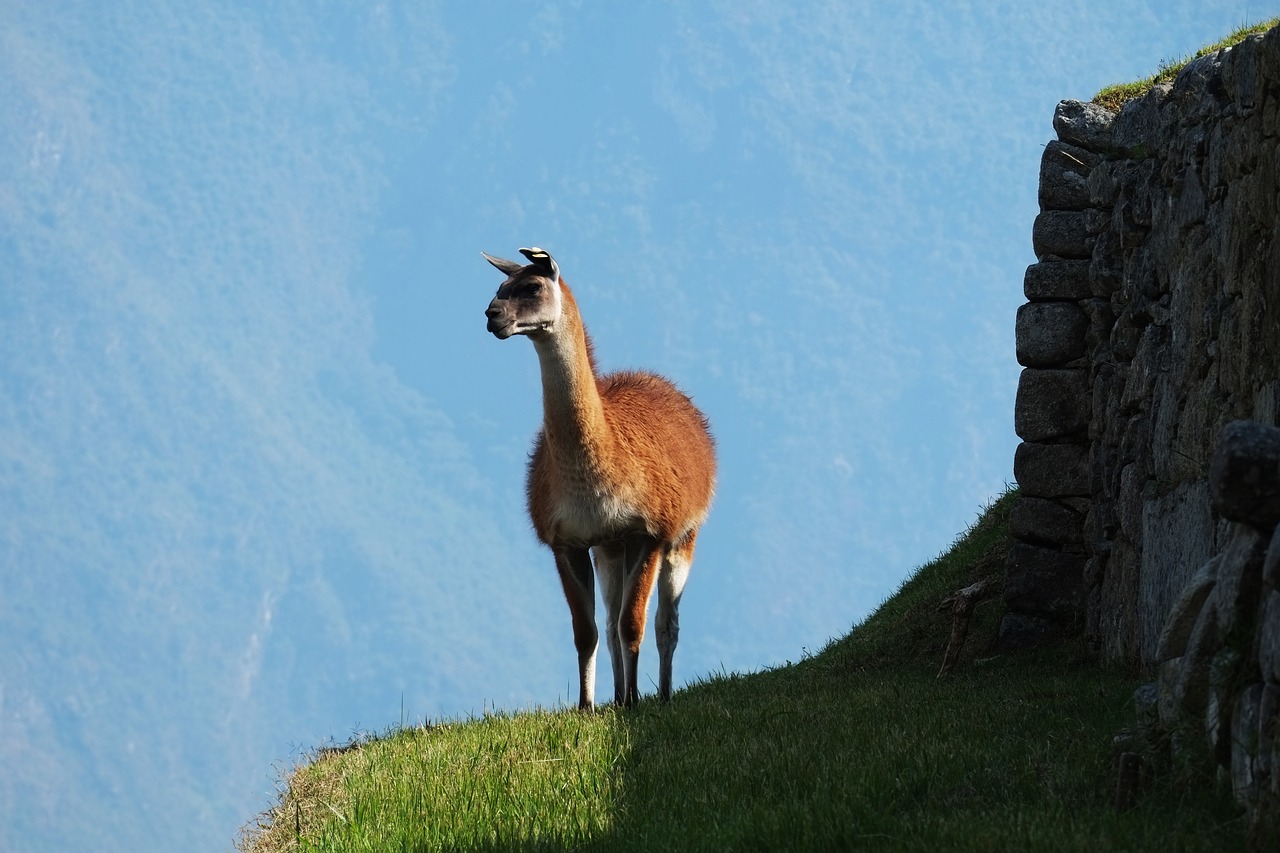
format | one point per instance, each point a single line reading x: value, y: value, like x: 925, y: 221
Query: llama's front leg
x: 642, y: 558
x: 574, y: 565
x: 611, y: 572
x: 671, y: 580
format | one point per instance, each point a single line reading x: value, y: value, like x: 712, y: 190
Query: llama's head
x: 529, y: 301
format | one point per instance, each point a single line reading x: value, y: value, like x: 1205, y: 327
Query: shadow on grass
x: 815, y: 758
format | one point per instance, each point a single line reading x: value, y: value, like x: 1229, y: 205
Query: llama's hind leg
x: 611, y: 573
x: 574, y: 565
x: 671, y: 580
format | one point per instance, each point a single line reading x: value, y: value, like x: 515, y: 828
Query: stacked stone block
x: 1051, y: 415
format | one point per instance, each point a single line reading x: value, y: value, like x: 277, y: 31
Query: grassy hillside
x: 859, y: 746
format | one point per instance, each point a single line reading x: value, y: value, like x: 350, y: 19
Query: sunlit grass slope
x: 861, y: 746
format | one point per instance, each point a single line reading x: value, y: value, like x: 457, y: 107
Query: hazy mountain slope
x: 225, y: 529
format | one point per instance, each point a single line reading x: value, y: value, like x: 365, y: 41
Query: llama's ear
x: 542, y: 259
x: 503, y: 265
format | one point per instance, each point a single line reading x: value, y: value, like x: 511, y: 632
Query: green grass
x: 1115, y: 97
x: 860, y: 746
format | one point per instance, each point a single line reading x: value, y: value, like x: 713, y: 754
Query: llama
x: 622, y: 471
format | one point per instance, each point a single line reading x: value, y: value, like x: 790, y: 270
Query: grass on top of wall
x: 1116, y: 96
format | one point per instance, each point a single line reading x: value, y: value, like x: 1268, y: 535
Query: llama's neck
x: 573, y: 414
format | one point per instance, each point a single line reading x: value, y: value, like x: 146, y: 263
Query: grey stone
x: 1177, y: 540
x: 1050, y: 334
x: 1243, y: 744
x: 1043, y: 521
x: 1057, y: 280
x: 1064, y: 176
x: 1095, y: 568
x: 1269, y: 637
x: 1245, y: 474
x: 1268, y: 730
x: 1131, y: 512
x: 1092, y: 597
x: 1051, y: 470
x: 1125, y: 334
x: 1224, y: 670
x: 1175, y: 453
x: 1117, y: 605
x: 1096, y: 221
x: 1239, y: 578
x: 1149, y: 359
x: 1239, y: 75
x: 1168, y: 674
x: 1266, y: 402
x: 1191, y: 684
x: 1051, y: 404
x: 1190, y: 206
x: 1186, y: 610
x: 1043, y: 582
x: 1085, y: 125
x: 1193, y: 82
x: 1143, y: 197
x: 1112, y: 178
x: 1136, y: 129
x: 1098, y: 337
x: 1061, y: 234
x: 1271, y: 562
x: 1105, y: 183
x: 1021, y: 631
x: 1269, y: 56
x: 1106, y: 267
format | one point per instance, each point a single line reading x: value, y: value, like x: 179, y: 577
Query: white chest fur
x: 587, y: 512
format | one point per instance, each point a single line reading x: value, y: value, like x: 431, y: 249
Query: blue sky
x: 261, y: 467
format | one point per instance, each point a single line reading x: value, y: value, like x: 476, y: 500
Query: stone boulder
x: 1050, y: 334
x: 1245, y: 474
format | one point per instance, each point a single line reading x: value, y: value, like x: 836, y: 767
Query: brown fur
x: 635, y: 610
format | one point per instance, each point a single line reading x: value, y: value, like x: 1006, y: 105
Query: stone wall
x: 1152, y: 321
